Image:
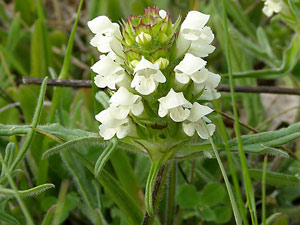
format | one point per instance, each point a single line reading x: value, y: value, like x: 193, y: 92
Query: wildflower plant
x: 159, y: 86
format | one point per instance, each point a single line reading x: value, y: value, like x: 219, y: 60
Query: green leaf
x: 39, y: 60
x: 104, y: 156
x: 281, y: 220
x: 290, y: 58
x: 212, y: 194
x: 206, y: 213
x: 6, y: 193
x: 35, y: 121
x: 277, y: 179
x: 223, y: 214
x: 241, y: 19
x: 73, y: 143
x: 187, y: 196
x: 295, y: 9
x: 266, y: 141
x: 111, y: 186
x: 11, y: 59
x: 26, y: 7
x: 6, y: 218
x: 48, y: 217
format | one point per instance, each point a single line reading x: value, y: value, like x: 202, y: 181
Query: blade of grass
x: 65, y: 68
x: 48, y: 217
x: 18, y: 197
x: 247, y: 180
x: 112, y: 187
x: 225, y: 139
x: 263, y: 190
x: 235, y: 210
x: 45, y: 41
x: 60, y: 202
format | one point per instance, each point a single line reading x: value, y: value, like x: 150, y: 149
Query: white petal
x: 198, y: 111
x: 145, y: 64
x: 101, y: 42
x: 146, y: 86
x: 162, y: 111
x: 101, y: 24
x: 123, y: 97
x: 106, y: 132
x: 123, y: 131
x: 162, y: 13
x: 182, y: 78
x: 189, y: 129
x: 179, y: 114
x: 159, y: 77
x: 202, y: 129
x: 201, y: 50
x: 199, y: 77
x: 137, y: 108
x: 174, y: 99
x: 120, y: 112
x: 182, y: 45
x: 190, y: 64
x: 193, y: 24
x: 106, y: 66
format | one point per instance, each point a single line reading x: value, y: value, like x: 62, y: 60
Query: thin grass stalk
x: 235, y: 210
x: 263, y: 190
x: 65, y: 68
x: 235, y: 180
x: 60, y: 202
x: 17, y: 195
x: 247, y: 180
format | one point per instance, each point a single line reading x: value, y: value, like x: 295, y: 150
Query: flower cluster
x: 156, y: 75
x: 272, y: 6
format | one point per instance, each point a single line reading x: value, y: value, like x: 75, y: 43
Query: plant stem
x: 170, y: 212
x: 263, y: 190
x: 235, y: 210
x: 235, y: 180
x: 247, y: 180
x: 156, y: 194
x: 17, y: 195
x: 221, y: 87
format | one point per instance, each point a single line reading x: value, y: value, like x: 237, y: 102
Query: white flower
x: 109, y: 73
x: 111, y: 126
x: 194, y: 37
x: 195, y: 122
x: 202, y: 47
x: 193, y: 24
x: 146, y: 77
x: 162, y: 13
x: 208, y: 87
x: 123, y: 102
x: 272, y: 6
x: 174, y: 104
x: 189, y: 68
x: 107, y: 35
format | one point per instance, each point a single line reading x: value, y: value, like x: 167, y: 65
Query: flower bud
x: 143, y: 38
x: 162, y: 62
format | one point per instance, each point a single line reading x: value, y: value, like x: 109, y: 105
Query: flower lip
x: 195, y: 20
x: 145, y: 64
x: 174, y: 99
x: 190, y: 64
